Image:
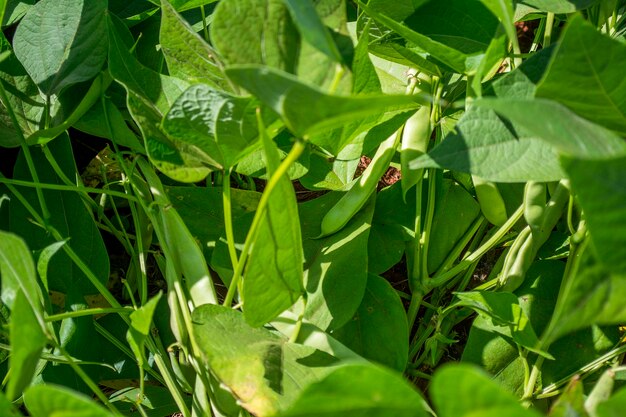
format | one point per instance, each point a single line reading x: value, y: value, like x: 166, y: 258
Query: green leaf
x: 222, y: 126
x: 179, y: 161
x: 188, y: 56
x: 593, y: 296
x: 505, y: 11
x: 44, y: 259
x: 335, y: 266
x: 356, y: 391
x: 484, y: 145
x: 307, y: 110
x: 139, y: 330
x: 466, y: 26
x: 22, y: 95
x: 379, y: 329
x: 443, y: 53
x: 182, y: 5
x: 27, y: 343
x: 6, y: 407
x: 463, y: 390
x: 601, y: 192
x: 158, y: 89
x: 264, y: 34
x: 94, y: 122
x: 202, y: 211
x: 554, y: 123
x: 311, y: 27
x: 614, y: 406
x: 49, y: 400
x: 18, y: 273
x: 455, y: 212
x: 365, y: 80
x: 560, y: 6
x: 264, y: 371
x: 597, y: 89
x: 58, y: 55
x: 507, y: 315
x: 571, y: 402
x: 269, y: 288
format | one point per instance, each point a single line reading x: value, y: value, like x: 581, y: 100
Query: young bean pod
x: 341, y: 213
x: 491, y: 202
x: 415, y: 139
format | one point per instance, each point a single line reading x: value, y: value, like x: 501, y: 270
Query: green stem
x: 88, y: 312
x: 529, y: 388
x: 205, y: 28
x: 228, y: 220
x: 26, y: 150
x: 441, y: 279
x: 547, y: 35
x: 298, y: 325
x: 42, y: 186
x: 291, y: 158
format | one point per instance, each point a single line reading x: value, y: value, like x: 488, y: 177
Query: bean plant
x: 312, y: 208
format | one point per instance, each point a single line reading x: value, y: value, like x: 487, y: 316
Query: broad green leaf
x: 441, y: 52
x: 188, y: 56
x: 483, y: 145
x: 53, y: 400
x: 182, y: 5
x: 593, y: 296
x: 160, y: 90
x: 69, y: 216
x: 94, y: 122
x: 222, y: 126
x: 335, y: 266
x: 561, y: 128
x: 264, y: 34
x: 23, y: 96
x: 614, y: 406
x: 178, y: 161
x: 365, y: 80
x: 58, y: 55
x: 139, y: 330
x: 6, y: 407
x: 202, y: 211
x: 397, y: 10
x: 307, y: 110
x: 265, y: 372
x: 392, y: 228
x: 356, y: 391
x: 571, y: 402
x: 465, y: 26
x: 27, y: 343
x: 311, y: 27
x: 463, y: 390
x: 507, y: 316
x: 499, y: 355
x: 18, y: 273
x: 601, y: 192
x: 184, y: 253
x: 560, y: 6
x: 269, y: 288
x: 596, y: 90
x: 379, y: 329
x: 44, y: 259
x: 455, y: 212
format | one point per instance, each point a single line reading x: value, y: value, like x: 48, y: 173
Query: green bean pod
x: 491, y: 202
x: 415, y: 140
x: 356, y: 197
x: 535, y: 205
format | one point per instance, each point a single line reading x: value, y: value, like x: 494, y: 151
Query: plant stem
x: 88, y: 312
x: 292, y: 157
x: 205, y: 28
x: 441, y: 279
x: 26, y: 150
x: 59, y: 187
x: 529, y: 388
x: 228, y: 220
x: 547, y: 35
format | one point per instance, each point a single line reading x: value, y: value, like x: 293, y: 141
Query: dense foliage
x: 192, y: 218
